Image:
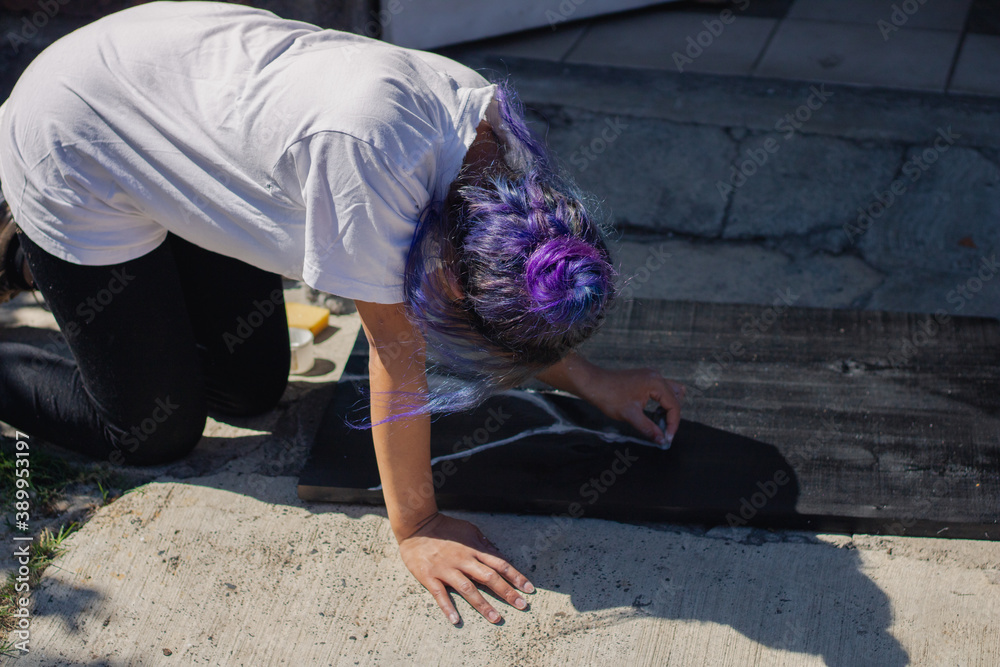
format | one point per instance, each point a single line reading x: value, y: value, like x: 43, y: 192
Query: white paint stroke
x: 561, y: 426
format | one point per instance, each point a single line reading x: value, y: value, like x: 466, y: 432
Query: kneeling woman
x: 167, y: 164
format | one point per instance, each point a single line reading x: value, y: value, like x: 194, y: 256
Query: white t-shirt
x: 305, y: 152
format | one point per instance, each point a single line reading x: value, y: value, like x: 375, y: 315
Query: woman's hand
x: 623, y: 394
x: 450, y: 552
x: 620, y: 394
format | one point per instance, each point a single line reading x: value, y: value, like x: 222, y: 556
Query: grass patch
x: 42, y: 552
x: 50, y: 476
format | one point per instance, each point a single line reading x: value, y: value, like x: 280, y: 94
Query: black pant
x: 157, y: 342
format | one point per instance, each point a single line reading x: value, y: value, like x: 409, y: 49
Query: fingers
x: 488, y: 570
x: 637, y: 418
x: 464, y: 586
x: 494, y: 573
x: 671, y: 403
x: 487, y: 576
x: 440, y: 595
x: 680, y: 391
x: 509, y: 573
x: 669, y: 395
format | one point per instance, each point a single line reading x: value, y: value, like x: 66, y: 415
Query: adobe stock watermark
x: 900, y: 14
x: 751, y: 331
x: 829, y: 427
x: 563, y: 12
x: 20, y: 596
x: 967, y: 291
x: 750, y: 506
x: 788, y: 125
x: 587, y: 153
x: 375, y: 26
x: 88, y: 310
x: 927, y: 330
x: 495, y: 419
x: 139, y: 433
x: 388, y: 9
x: 696, y: 44
x: 246, y: 326
x: 590, y: 491
x: 912, y: 170
x: 31, y: 25
x: 656, y: 260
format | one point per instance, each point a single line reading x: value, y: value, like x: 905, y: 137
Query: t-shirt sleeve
x: 361, y: 213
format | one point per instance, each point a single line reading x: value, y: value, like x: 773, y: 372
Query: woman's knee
x: 250, y: 393
x: 168, y: 433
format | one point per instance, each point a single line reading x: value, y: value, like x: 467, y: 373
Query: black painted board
x: 819, y: 419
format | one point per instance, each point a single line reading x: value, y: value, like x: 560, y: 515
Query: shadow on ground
x: 786, y: 591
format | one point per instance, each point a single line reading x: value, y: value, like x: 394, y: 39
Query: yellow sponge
x: 302, y: 316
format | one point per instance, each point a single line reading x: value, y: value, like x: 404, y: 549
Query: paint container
x: 303, y: 351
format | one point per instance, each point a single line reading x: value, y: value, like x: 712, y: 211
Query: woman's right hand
x: 447, y: 552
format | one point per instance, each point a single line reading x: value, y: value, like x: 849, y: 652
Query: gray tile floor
x: 929, y: 45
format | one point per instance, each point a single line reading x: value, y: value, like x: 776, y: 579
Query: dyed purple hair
x: 507, y: 276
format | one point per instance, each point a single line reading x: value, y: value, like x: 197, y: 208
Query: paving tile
x: 931, y: 14
x: 928, y: 291
x: 542, y: 44
x: 857, y: 54
x: 801, y: 184
x: 984, y: 17
x: 769, y: 9
x: 938, y: 215
x: 678, y: 41
x: 650, y: 175
x: 741, y: 272
x: 977, y: 70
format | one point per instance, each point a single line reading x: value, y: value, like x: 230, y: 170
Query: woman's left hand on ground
x: 623, y: 394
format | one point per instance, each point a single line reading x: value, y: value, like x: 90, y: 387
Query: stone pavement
x: 930, y: 45
x: 865, y: 198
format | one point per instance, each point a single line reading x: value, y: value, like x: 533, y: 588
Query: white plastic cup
x: 303, y: 352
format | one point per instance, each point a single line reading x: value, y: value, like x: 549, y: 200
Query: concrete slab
x: 233, y: 569
x: 984, y: 18
x: 649, y: 174
x: 749, y: 103
x: 941, y: 216
x: 929, y: 291
x: 435, y: 23
x: 740, y: 273
x: 975, y: 72
x: 544, y: 44
x: 936, y: 14
x: 911, y: 58
x: 784, y: 183
x: 678, y: 41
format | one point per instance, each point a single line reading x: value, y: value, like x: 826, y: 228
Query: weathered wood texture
x: 885, y: 423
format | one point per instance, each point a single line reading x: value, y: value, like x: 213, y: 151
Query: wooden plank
x: 885, y: 423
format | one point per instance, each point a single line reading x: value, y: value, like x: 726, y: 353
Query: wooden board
x: 829, y: 420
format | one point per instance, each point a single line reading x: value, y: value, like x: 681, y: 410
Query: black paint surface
x: 814, y: 424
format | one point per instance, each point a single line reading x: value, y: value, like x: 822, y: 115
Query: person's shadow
x: 786, y: 591
x: 794, y: 594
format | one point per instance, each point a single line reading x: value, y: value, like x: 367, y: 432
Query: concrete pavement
x: 232, y: 569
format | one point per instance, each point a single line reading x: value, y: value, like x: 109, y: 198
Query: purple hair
x: 505, y: 277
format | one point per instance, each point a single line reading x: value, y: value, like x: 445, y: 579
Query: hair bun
x: 568, y: 280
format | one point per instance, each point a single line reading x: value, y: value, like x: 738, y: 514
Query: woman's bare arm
x: 439, y: 550
x: 620, y: 394
x: 402, y: 447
